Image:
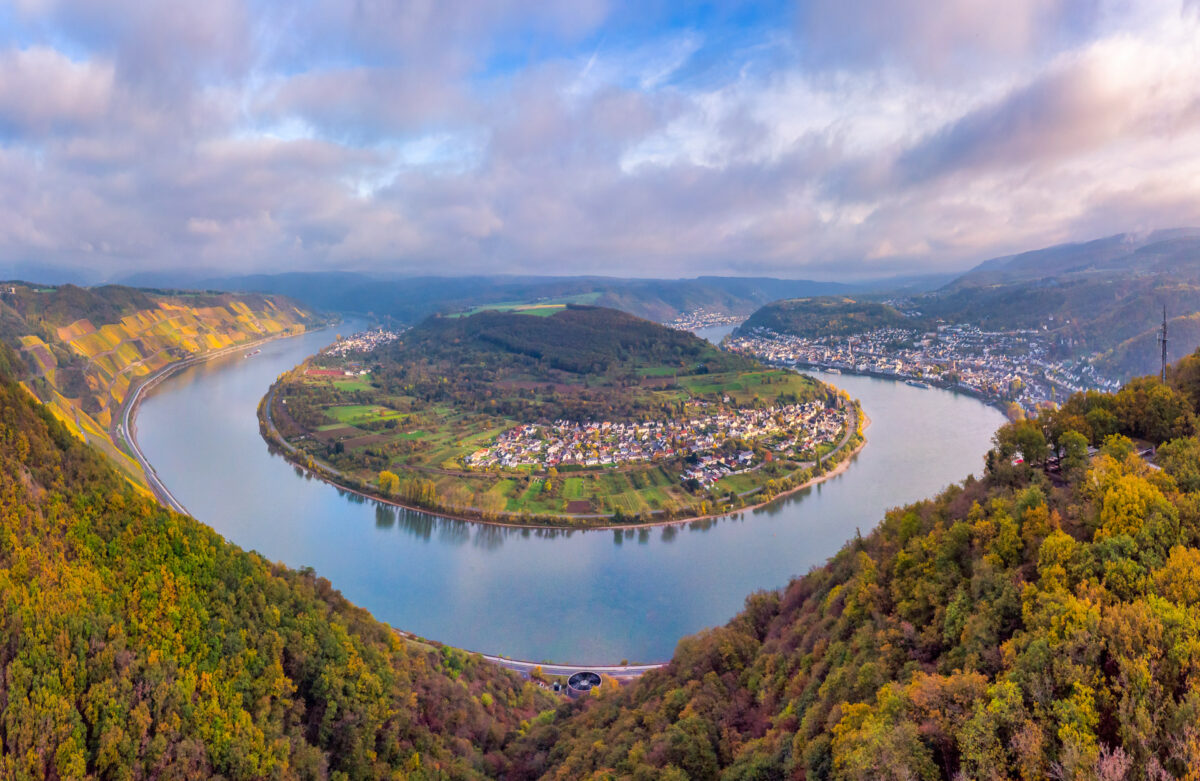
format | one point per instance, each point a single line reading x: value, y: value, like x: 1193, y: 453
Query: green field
x: 354, y: 384
x: 354, y: 414
x: 536, y: 308
x: 422, y: 424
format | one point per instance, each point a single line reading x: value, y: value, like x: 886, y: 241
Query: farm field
x: 422, y: 424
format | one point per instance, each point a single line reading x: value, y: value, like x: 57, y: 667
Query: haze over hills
x: 410, y: 299
x: 1101, y: 300
x: 1025, y: 624
x: 1165, y: 251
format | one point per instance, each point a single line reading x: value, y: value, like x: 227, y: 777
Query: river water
x: 586, y: 597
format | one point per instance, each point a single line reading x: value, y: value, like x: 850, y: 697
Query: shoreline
x: 266, y: 420
x: 127, y: 414
x: 128, y: 417
x: 997, y: 404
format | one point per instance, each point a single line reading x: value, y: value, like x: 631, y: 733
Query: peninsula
x: 565, y: 416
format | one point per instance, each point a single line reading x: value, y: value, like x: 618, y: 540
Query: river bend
x: 586, y: 596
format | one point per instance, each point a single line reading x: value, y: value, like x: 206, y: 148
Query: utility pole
x: 1162, y: 340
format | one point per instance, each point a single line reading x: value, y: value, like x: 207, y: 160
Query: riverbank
x: 336, y: 479
x: 127, y: 428
x: 526, y: 593
x: 124, y: 431
x: 1000, y: 405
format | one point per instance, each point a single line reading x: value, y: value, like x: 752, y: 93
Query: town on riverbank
x: 1010, y: 369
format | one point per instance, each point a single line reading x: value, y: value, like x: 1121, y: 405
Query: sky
x: 827, y: 139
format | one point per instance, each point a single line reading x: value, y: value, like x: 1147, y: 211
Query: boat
x: 256, y: 352
x: 832, y: 370
x: 917, y: 383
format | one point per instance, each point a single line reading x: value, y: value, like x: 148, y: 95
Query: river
x: 586, y: 596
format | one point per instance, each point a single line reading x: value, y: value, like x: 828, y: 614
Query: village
x: 790, y: 431
x: 703, y: 318
x: 1003, y: 367
x: 362, y: 342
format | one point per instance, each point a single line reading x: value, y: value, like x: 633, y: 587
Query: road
x: 618, y: 671
x: 623, y: 672
x: 127, y: 434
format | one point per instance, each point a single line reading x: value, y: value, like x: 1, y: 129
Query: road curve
x: 127, y: 433
x: 624, y: 672
x: 618, y: 671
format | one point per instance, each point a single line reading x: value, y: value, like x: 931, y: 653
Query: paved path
x: 618, y: 671
x: 126, y: 431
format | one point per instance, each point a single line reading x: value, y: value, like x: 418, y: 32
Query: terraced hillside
x: 88, y: 349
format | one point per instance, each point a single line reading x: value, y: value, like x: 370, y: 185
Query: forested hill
x: 579, y: 363
x: 88, y: 348
x: 1102, y: 300
x: 138, y: 643
x: 1016, y: 626
x: 826, y: 316
x: 575, y: 340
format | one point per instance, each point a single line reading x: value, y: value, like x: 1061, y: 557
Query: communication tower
x: 1162, y: 341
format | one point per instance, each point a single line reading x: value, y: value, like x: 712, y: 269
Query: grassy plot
x: 574, y: 489
x: 536, y: 308
x: 745, y: 386
x: 353, y: 384
x: 355, y: 414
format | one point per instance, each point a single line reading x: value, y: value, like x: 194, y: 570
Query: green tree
x: 1074, y: 459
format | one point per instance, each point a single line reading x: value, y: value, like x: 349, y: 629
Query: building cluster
x: 362, y: 342
x: 702, y: 318
x: 1010, y: 366
x: 792, y: 429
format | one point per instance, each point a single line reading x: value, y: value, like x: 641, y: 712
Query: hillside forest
x: 1039, y: 621
x: 139, y: 644
x: 1101, y: 300
x: 87, y: 349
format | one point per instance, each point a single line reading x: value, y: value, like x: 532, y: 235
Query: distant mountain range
x: 1102, y: 299
x: 1167, y: 251
x: 410, y: 299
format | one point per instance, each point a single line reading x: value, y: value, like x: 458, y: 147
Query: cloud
x: 568, y: 137
x: 43, y: 92
x: 1111, y: 91
x: 942, y: 39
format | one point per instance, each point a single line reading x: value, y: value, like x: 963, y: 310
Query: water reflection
x: 385, y: 516
x: 488, y: 536
x: 591, y: 596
